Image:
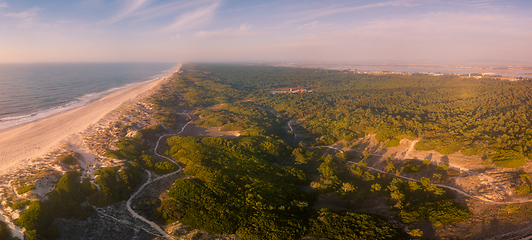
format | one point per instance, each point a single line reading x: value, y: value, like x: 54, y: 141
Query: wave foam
x: 8, y: 122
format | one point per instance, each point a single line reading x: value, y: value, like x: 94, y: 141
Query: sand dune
x: 35, y: 139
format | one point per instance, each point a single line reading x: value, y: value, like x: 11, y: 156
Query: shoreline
x: 20, y: 118
x: 21, y: 143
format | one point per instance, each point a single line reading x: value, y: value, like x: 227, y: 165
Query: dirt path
x: 411, y: 148
x: 128, y: 203
x: 439, y: 185
x: 447, y: 187
x: 290, y: 126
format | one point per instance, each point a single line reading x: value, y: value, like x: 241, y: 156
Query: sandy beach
x: 32, y: 140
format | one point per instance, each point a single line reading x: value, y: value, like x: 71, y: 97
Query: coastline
x: 27, y: 141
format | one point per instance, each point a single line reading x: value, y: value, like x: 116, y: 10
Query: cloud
x: 27, y: 15
x: 314, y: 25
x: 434, y: 36
x: 130, y: 7
x: 226, y: 32
x: 192, y: 19
x: 323, y: 12
x: 3, y: 5
x: 166, y: 9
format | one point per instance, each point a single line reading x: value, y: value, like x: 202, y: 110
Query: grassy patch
x: 508, y: 159
x: 25, y: 189
x: 438, y: 213
x: 20, y: 204
x: 67, y: 159
x: 427, y: 144
x: 410, y: 168
x: 394, y: 142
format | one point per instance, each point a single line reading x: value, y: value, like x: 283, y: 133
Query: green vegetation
x: 522, y: 189
x: 508, y: 159
x: 87, y: 188
x: 437, y: 213
x: 410, y: 168
x: 451, y: 113
x: 20, y: 204
x: 67, y: 159
x: 66, y: 199
x: 394, y: 142
x: 442, y: 167
x: 251, y: 186
x: 349, y: 225
x: 5, y: 232
x: 37, y: 220
x: 135, y: 149
x: 25, y: 189
x: 509, y: 209
x: 265, y: 185
x: 237, y: 189
x: 245, y: 117
x: 115, y: 184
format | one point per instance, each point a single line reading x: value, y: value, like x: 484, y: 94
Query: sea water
x: 37, y: 90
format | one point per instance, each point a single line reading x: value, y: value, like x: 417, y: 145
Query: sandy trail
x: 410, y: 149
x: 31, y: 140
x: 150, y: 180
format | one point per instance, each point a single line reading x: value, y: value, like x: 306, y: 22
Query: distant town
x: 510, y: 73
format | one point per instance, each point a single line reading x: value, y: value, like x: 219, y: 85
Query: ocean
x: 33, y: 91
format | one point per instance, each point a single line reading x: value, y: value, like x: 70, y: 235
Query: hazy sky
x: 408, y: 31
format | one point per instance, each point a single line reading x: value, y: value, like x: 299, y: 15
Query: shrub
x: 449, y: 148
x: 352, y: 225
x: 511, y: 208
x: 5, y: 232
x: 437, y: 177
x: 410, y: 168
x: 469, y: 151
x: 37, y: 220
x: 508, y: 159
x: 165, y: 167
x: 171, y: 210
x: 427, y: 144
x: 87, y: 188
x: 25, y: 189
x: 21, y: 204
x: 394, y: 142
x: 67, y: 159
x: 522, y: 189
x: 115, y: 185
x: 525, y: 177
x: 442, y: 167
x: 375, y: 187
x: 325, y: 140
x: 416, y: 233
x: 438, y: 213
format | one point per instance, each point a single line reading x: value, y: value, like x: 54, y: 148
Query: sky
x: 358, y: 31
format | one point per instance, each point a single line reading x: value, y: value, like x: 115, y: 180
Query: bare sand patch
x: 200, y: 132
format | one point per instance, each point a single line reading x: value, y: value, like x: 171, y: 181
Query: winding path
x: 292, y: 129
x: 150, y: 180
x: 445, y: 186
x: 439, y: 185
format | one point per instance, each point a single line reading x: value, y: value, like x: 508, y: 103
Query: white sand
x: 32, y: 140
